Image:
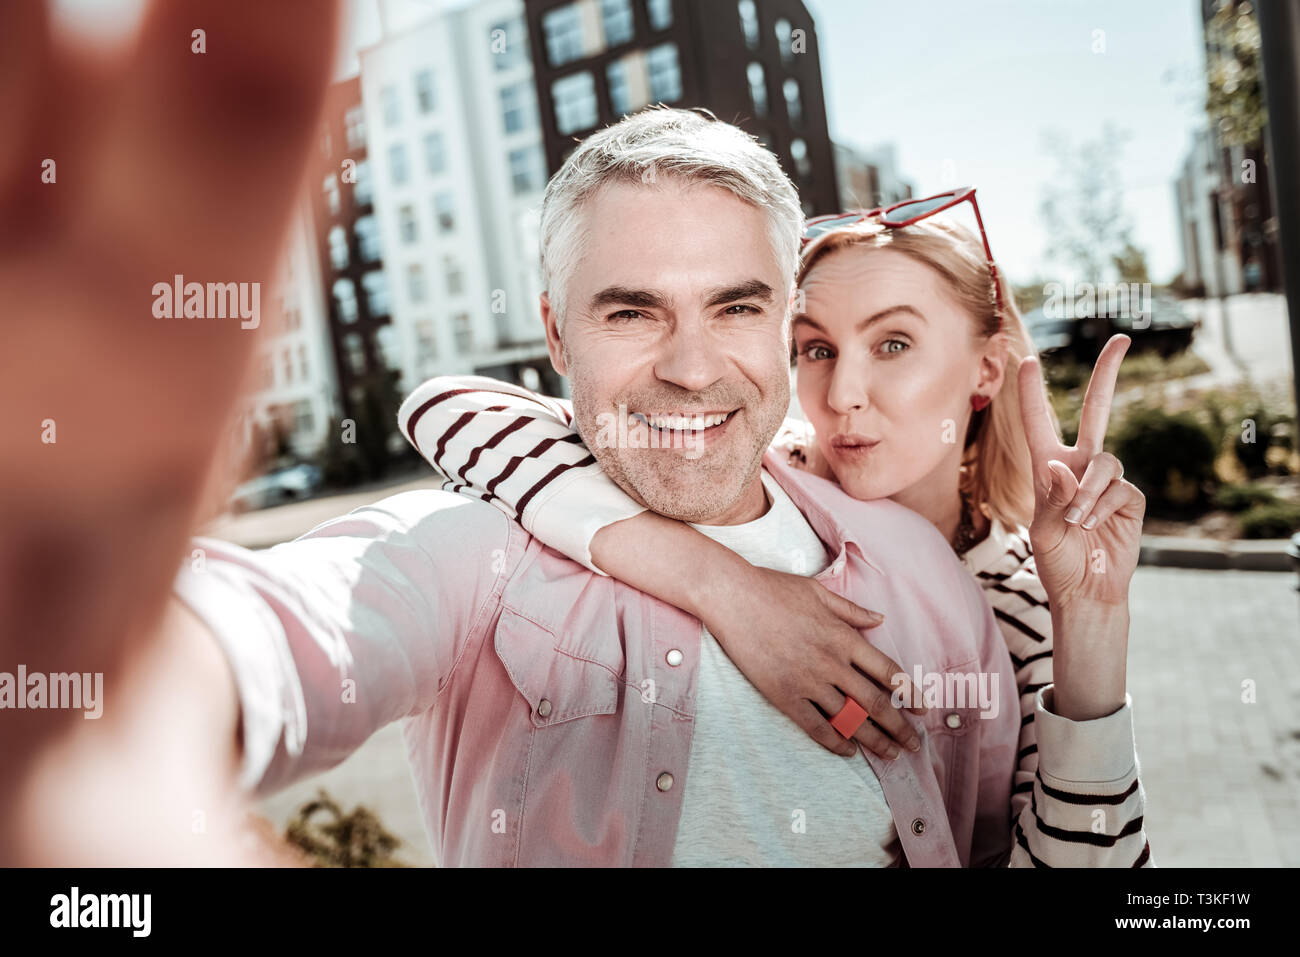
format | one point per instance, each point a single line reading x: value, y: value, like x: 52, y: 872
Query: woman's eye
x: 894, y: 346
x: 816, y: 352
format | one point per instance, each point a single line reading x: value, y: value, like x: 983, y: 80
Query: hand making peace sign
x: 1087, y: 525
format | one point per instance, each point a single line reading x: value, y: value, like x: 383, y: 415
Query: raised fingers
x: 1043, y: 441
x: 1101, y: 391
x: 1101, y: 471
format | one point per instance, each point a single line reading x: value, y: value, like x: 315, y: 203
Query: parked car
x: 276, y: 488
x: 1167, y: 330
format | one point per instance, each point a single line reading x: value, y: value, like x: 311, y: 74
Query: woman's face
x: 887, y: 365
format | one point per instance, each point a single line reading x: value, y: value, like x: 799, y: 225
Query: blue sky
x: 979, y: 84
x: 970, y: 89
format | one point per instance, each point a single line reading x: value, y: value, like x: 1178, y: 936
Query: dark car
x: 1160, y: 325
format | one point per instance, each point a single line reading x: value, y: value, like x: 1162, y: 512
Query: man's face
x: 676, y: 316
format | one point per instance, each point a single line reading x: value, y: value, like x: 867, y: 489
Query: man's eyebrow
x: 863, y: 323
x: 625, y: 296
x: 749, y: 289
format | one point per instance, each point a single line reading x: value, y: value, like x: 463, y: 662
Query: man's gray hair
x: 653, y: 146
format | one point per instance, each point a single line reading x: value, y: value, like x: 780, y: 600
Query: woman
x: 910, y: 353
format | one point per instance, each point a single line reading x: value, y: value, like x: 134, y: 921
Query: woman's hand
x: 1087, y: 526
x: 1086, y: 536
x: 795, y: 641
x: 799, y: 644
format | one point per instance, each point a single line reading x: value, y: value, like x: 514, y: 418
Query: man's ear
x: 553, y: 344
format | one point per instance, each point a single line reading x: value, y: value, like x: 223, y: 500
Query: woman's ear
x: 992, y: 367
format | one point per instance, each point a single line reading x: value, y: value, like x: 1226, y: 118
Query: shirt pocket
x: 558, y: 685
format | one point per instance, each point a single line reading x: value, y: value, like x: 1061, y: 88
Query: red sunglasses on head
x: 906, y: 213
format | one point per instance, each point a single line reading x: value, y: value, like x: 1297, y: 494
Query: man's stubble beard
x: 670, y: 481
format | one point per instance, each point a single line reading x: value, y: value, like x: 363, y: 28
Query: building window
x: 504, y: 332
x: 287, y: 356
x: 416, y: 288
x: 304, y: 421
x: 355, y: 352
x: 386, y: 340
x: 464, y: 333
x: 665, y: 74
x: 331, y: 189
x: 660, y: 13
x: 434, y: 154
x: 527, y: 169
x: 616, y: 15
x: 267, y: 371
x: 793, y: 104
x: 355, y: 120
x: 784, y: 41
x: 397, y: 163
x: 757, y: 88
x: 562, y: 30
x: 368, y: 239
x: 361, y: 189
x: 575, y: 103
x: 302, y: 362
x: 338, y: 240
x: 455, y: 278
x: 618, y: 79
x: 519, y: 107
x: 802, y: 165
x: 391, y: 106
x: 444, y: 212
x: 407, y: 227
x: 345, y: 296
x: 426, y: 343
x: 376, y: 285
x: 509, y: 44
x: 749, y: 22
x: 424, y: 91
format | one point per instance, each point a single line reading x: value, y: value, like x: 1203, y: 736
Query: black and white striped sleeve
x: 519, y: 451
x: 1077, y: 800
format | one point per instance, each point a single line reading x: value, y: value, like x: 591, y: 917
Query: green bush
x: 1276, y: 520
x: 1238, y: 498
x: 1170, y: 457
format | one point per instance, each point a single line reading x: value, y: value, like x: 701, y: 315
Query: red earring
x: 978, y: 402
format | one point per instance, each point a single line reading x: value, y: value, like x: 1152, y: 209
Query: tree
x: 1235, y: 93
x: 1083, y: 208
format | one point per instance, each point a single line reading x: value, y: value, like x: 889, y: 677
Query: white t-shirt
x: 759, y: 791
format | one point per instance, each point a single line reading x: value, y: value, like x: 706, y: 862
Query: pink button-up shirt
x: 544, y: 722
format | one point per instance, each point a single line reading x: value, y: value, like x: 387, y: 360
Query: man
x: 551, y: 712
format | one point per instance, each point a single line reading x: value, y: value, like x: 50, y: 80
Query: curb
x: 1264, y: 555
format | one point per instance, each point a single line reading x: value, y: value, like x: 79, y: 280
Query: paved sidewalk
x: 1222, y: 777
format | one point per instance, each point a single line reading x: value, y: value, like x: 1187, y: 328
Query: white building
x: 293, y: 379
x: 458, y: 172
x: 1206, y: 224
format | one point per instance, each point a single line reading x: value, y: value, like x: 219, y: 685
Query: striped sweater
x: 1077, y: 800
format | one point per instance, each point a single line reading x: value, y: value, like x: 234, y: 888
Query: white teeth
x: 681, y: 423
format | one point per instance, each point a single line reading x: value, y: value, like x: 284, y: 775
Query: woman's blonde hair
x: 996, y: 472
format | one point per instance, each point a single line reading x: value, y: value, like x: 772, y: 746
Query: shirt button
x: 918, y: 826
x: 953, y: 720
x: 674, y: 657
x: 544, y: 707
x: 664, y: 781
